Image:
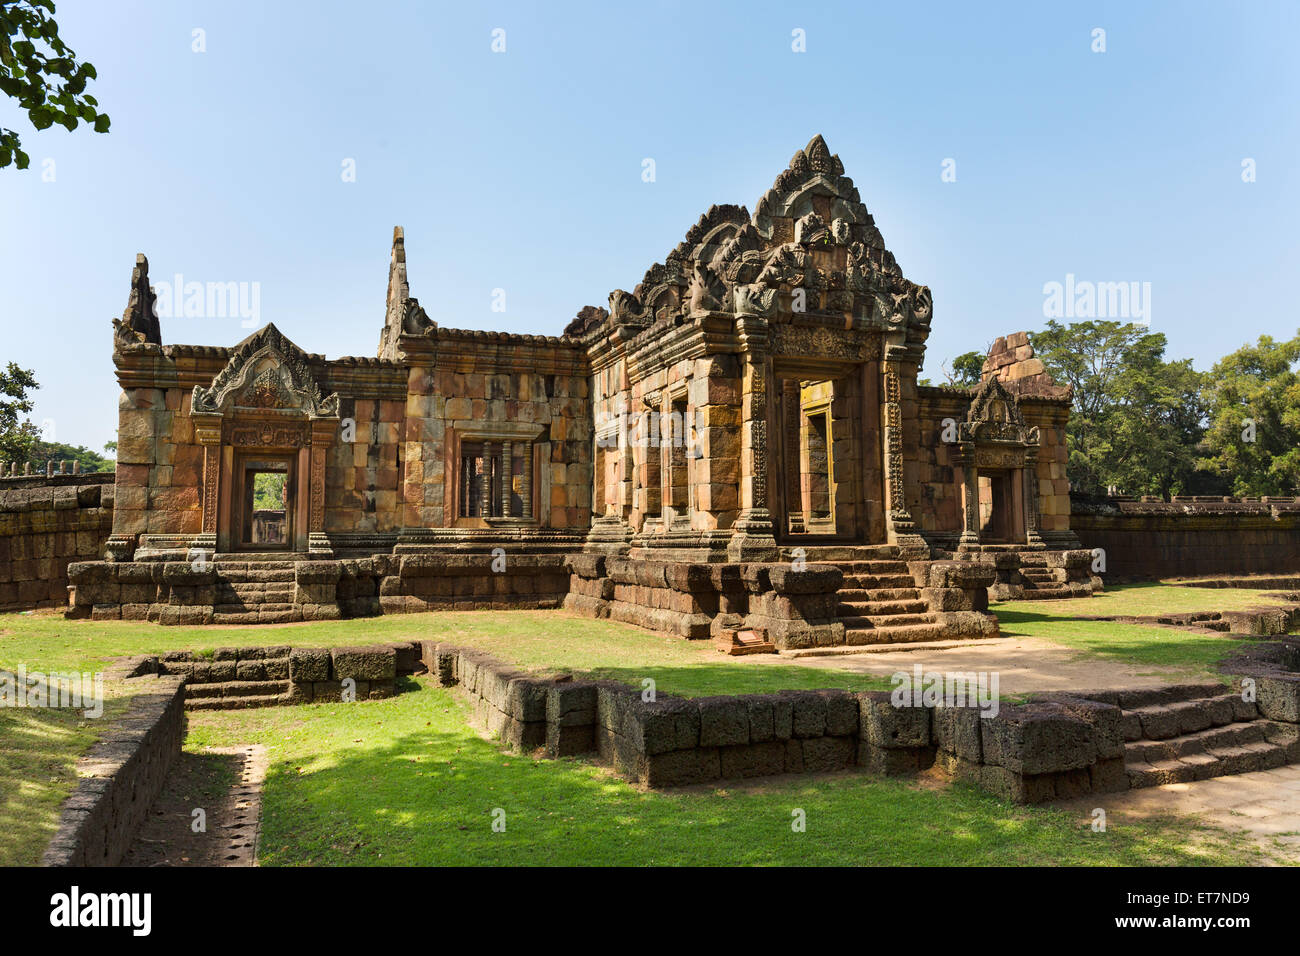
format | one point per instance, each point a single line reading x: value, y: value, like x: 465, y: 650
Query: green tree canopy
x: 39, y: 71
x: 966, y: 369
x: 1253, y: 439
x: 1136, y: 419
x: 17, y: 433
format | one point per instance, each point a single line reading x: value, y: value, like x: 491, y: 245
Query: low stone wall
x: 185, y: 593
x: 797, y: 608
x: 123, y: 773
x: 1191, y: 536
x: 1275, y: 668
x: 1054, y: 747
x: 46, y: 523
x: 231, y: 678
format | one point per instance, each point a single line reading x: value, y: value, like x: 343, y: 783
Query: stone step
x: 845, y: 650
x: 873, y: 567
x: 879, y: 594
x: 235, y: 703
x: 237, y: 688
x: 1167, y: 694
x: 1214, y: 738
x: 256, y: 577
x: 835, y: 553
x: 861, y: 622
x: 1216, y: 762
x: 902, y: 634
x: 1049, y: 594
x: 876, y: 608
x: 256, y: 592
x: 874, y: 582
x: 1167, y: 721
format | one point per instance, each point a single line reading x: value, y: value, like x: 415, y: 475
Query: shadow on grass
x: 1141, y: 644
x: 39, y: 748
x: 406, y: 782
x: 704, y: 680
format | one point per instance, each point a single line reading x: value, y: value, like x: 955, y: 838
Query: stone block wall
x: 46, y: 524
x: 232, y: 678
x: 1188, y: 537
x: 796, y: 608
x: 1028, y: 753
x: 185, y: 593
x: 122, y: 775
x: 363, y: 476
x: 486, y: 385
x: 938, y: 485
x: 631, y: 481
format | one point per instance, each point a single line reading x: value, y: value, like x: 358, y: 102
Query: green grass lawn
x: 535, y: 639
x: 1149, y: 649
x: 406, y: 781
x: 1146, y: 647
x: 1152, y: 598
x: 39, y: 748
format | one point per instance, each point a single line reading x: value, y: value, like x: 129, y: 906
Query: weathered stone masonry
x: 753, y: 401
x: 46, y: 524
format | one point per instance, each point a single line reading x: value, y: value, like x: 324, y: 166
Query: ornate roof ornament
x: 139, y: 322
x: 809, y: 240
x: 266, y: 371
x: 403, y: 315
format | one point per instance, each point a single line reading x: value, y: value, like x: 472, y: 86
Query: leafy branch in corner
x: 39, y: 71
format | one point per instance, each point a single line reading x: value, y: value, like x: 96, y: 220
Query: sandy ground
x: 1022, y: 664
x: 1262, y: 806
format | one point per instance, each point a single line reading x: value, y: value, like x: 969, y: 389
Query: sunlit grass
x: 406, y: 782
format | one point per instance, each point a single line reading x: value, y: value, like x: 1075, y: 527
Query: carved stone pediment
x: 266, y: 372
x: 994, y: 416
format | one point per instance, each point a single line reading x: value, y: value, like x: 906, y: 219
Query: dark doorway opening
x: 266, y: 521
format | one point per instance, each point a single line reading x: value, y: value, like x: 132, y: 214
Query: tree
x: 1254, y: 407
x: 966, y: 369
x: 1136, y: 419
x: 17, y: 435
x: 90, y: 461
x: 39, y: 71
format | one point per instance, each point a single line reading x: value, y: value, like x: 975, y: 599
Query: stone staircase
x: 234, y: 678
x: 879, y: 602
x: 1040, y: 582
x: 254, y: 592
x: 1194, y: 732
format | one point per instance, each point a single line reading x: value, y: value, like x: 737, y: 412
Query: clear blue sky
x: 522, y: 170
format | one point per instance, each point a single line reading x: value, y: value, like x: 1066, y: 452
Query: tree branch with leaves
x: 41, y: 72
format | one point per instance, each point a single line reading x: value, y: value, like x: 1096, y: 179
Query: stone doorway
x: 264, y: 494
x: 818, y: 461
x: 997, y: 510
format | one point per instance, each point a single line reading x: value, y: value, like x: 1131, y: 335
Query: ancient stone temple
x: 739, y: 443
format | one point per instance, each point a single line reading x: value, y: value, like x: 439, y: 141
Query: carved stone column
x: 323, y: 431
x: 485, y: 484
x: 1030, y: 482
x: 792, y: 455
x: 902, y: 527
x: 207, y: 431
x: 752, y: 538
x: 970, y: 535
x: 507, y: 477
x: 526, y: 482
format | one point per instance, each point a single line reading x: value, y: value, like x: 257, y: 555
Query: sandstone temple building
x: 738, y: 443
